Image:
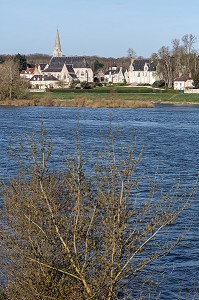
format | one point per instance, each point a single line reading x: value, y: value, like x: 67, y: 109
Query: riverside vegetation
x: 85, y: 231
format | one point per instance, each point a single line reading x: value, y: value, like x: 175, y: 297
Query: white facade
x: 114, y: 75
x: 141, y: 71
x: 29, y: 73
x: 183, y: 83
x: 42, y: 82
x: 62, y: 75
x: 84, y: 74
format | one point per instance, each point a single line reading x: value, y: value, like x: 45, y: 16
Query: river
x: 171, y: 138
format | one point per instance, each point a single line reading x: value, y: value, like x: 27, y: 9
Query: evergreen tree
x: 21, y: 59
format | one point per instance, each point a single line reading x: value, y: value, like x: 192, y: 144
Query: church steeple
x: 57, y: 50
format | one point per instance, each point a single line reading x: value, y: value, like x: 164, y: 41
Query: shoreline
x: 103, y: 103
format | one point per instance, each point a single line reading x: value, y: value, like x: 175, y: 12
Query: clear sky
x: 95, y: 27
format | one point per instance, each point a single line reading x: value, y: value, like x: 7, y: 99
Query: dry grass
x: 80, y: 102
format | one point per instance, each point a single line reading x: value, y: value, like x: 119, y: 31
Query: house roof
x: 183, y: 78
x: 42, y: 66
x: 44, y: 78
x: 28, y: 71
x: 139, y: 64
x: 112, y: 72
x: 53, y: 68
x: 58, y: 68
x: 56, y: 63
x: 71, y: 71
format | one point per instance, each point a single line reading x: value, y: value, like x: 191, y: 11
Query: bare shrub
x: 84, y: 232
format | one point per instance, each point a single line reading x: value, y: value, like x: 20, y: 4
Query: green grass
x: 105, y: 90
x: 168, y: 96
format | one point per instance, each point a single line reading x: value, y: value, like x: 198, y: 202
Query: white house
x: 141, y: 71
x: 183, y: 82
x: 114, y: 75
x: 29, y: 73
x: 44, y: 81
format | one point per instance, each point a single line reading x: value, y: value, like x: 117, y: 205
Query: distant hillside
x: 123, y: 62
x: 38, y: 58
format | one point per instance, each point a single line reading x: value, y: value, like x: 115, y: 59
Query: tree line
x: 179, y: 59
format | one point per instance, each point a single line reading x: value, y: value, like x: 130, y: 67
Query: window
x: 138, y: 74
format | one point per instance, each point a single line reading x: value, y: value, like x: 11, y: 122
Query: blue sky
x: 95, y: 27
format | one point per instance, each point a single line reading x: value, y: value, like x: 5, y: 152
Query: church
x: 67, y: 68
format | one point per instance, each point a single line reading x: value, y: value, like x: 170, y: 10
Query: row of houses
x: 62, y: 70
x: 140, y: 71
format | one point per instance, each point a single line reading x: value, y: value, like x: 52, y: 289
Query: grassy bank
x: 79, y: 102
x: 113, y: 97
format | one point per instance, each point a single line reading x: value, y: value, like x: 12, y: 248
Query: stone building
x: 183, y: 82
x: 114, y: 75
x: 30, y: 72
x: 141, y: 71
x: 41, y: 82
x: 68, y: 68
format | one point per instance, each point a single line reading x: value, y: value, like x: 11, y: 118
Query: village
x: 66, y: 71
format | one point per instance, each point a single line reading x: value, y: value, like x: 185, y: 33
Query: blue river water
x: 170, y: 135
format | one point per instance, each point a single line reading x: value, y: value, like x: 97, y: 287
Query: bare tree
x: 86, y: 231
x: 188, y: 42
x: 178, y: 58
x: 165, y: 65
x: 11, y: 86
x: 131, y: 53
x: 181, y: 59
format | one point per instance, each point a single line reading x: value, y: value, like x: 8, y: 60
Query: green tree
x: 85, y: 85
x: 97, y: 65
x: 2, y: 59
x: 83, y: 232
x: 196, y: 81
x: 22, y: 63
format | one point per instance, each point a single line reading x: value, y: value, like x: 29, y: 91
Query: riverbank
x: 81, y: 102
x: 114, y: 99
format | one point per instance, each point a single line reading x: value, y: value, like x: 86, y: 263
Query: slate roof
x: 183, y: 78
x: 43, y: 78
x: 139, y: 64
x: 71, y: 71
x: 56, y: 63
x: 42, y: 66
x: 112, y: 72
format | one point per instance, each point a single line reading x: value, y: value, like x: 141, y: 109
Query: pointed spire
x: 57, y: 50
